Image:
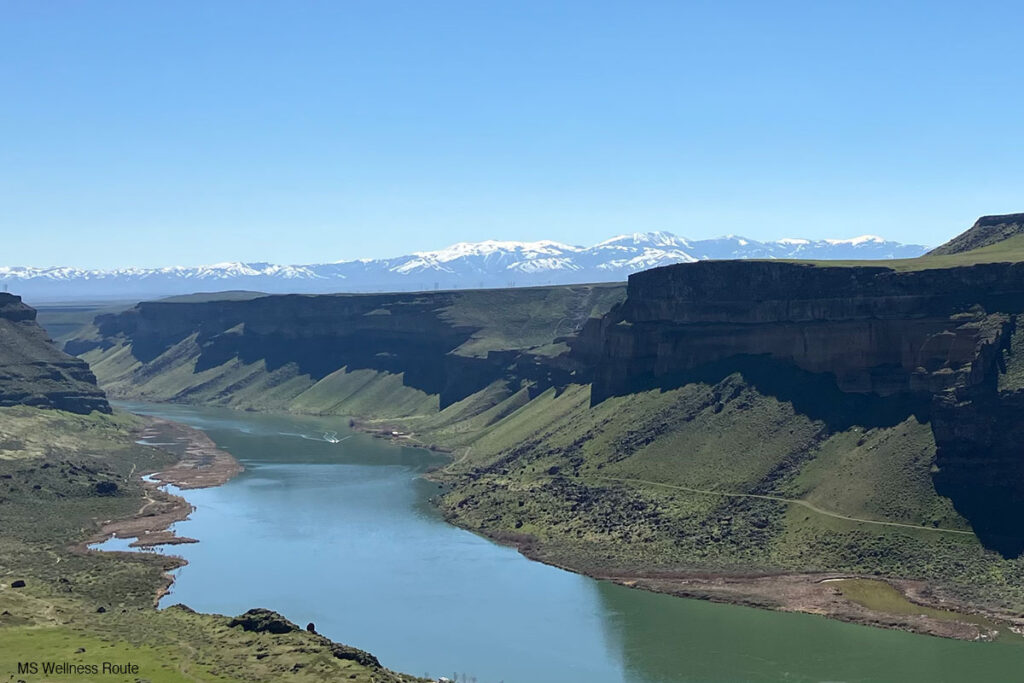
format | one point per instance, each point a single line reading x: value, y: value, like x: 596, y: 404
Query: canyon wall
x: 34, y: 372
x: 448, y: 344
x: 873, y: 329
x: 859, y: 345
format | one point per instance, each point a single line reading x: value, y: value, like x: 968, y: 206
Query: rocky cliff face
x: 449, y: 344
x: 874, y: 330
x: 34, y: 372
x: 931, y: 342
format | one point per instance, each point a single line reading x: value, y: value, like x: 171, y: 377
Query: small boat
x: 331, y: 437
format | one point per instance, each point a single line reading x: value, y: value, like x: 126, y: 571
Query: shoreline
x: 806, y: 593
x: 801, y: 592
x: 200, y: 465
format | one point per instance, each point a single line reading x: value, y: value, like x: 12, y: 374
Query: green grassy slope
x: 250, y: 386
x: 50, y: 465
x: 986, y: 231
x: 709, y: 477
x: 514, y: 320
x: 35, y: 372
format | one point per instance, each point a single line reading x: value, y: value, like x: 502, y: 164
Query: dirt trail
x: 791, y: 501
x: 465, y: 455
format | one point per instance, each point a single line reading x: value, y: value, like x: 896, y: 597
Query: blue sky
x: 157, y: 133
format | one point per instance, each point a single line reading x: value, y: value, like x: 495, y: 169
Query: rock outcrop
x: 874, y: 330
x: 856, y: 345
x: 34, y: 372
x: 261, y: 620
x: 986, y: 231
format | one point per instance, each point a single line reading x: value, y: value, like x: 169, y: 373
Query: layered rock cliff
x: 34, y: 372
x: 854, y: 345
x: 874, y: 330
x: 446, y: 345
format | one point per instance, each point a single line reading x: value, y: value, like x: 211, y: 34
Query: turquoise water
x: 343, y: 535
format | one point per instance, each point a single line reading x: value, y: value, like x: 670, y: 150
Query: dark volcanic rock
x: 848, y: 345
x: 860, y: 345
x: 874, y: 330
x: 354, y: 654
x: 260, y: 620
x: 34, y: 372
x: 980, y: 463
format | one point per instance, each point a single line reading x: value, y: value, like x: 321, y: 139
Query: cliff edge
x: 988, y: 230
x: 34, y: 372
x: 863, y: 346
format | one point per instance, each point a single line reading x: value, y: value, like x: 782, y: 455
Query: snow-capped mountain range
x: 463, y: 265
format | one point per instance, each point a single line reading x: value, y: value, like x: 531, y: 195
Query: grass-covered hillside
x: 712, y: 476
x: 35, y: 372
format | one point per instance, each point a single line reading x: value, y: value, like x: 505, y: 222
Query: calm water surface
x: 343, y: 535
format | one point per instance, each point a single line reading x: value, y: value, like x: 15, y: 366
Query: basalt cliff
x: 853, y: 345
x: 329, y: 353
x: 34, y: 372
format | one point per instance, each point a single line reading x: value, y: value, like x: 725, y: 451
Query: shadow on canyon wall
x: 979, y: 463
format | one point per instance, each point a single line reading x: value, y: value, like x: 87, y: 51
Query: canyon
x: 880, y: 393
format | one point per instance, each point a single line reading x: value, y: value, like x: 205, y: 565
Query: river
x: 344, y: 535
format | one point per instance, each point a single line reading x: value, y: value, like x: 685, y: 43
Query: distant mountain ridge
x: 490, y: 263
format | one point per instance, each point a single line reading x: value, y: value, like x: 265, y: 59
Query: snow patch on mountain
x: 491, y: 263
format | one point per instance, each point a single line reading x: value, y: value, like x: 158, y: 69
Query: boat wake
x: 329, y: 437
x: 332, y: 437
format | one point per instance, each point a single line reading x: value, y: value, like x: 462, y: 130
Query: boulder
x: 260, y: 620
